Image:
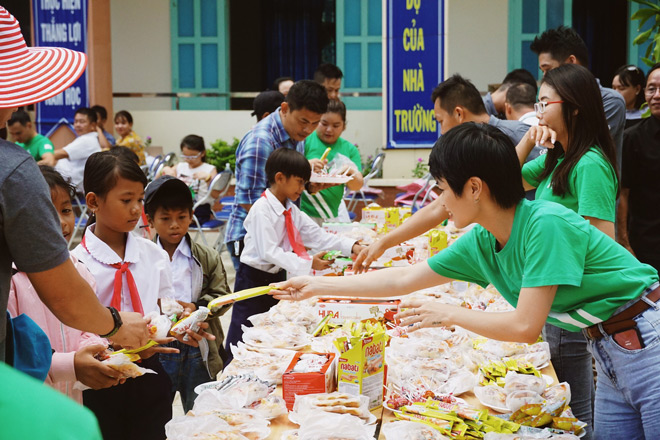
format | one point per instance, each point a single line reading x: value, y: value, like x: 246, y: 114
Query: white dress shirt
x: 79, y: 150
x: 181, y: 266
x: 529, y: 118
x: 267, y: 246
x: 148, y: 263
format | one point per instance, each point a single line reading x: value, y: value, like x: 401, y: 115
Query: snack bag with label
x: 437, y: 241
x: 361, y: 364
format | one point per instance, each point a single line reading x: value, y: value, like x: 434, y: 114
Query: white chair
x: 217, y: 189
x: 366, y: 194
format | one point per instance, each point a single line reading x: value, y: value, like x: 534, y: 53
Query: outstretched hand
x: 367, y: 256
x: 423, y: 314
x: 295, y: 289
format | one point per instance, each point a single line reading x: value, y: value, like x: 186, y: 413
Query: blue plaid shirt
x: 251, y: 156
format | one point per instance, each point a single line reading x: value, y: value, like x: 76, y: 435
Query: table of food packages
x: 340, y: 368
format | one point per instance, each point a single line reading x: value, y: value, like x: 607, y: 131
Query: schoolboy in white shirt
x: 278, y: 234
x: 198, y: 277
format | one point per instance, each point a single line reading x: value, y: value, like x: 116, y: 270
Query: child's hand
x: 356, y: 249
x: 195, y: 337
x: 188, y: 308
x: 318, y: 263
x: 146, y: 354
x: 92, y: 372
x: 318, y: 164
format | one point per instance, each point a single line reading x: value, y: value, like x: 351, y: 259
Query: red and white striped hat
x: 33, y: 74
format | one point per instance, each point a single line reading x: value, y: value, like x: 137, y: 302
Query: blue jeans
x: 628, y: 383
x: 186, y: 370
x: 572, y: 361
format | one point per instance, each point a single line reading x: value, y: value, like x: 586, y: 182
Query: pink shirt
x: 64, y: 340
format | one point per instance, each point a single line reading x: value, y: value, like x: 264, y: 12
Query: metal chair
x: 366, y: 194
x: 152, y: 168
x: 427, y: 190
x: 217, y: 189
x: 80, y: 204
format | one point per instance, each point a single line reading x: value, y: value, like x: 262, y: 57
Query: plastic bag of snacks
x: 405, y: 430
x: 232, y: 392
x: 516, y: 399
x: 270, y: 407
x: 207, y: 427
x: 191, y: 322
x: 328, y: 426
x: 517, y: 382
x: 124, y: 363
x: 170, y: 307
x: 337, y: 403
x: 159, y: 325
x: 285, y: 335
x: 266, y: 364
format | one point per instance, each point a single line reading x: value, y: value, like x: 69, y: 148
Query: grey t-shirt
x: 30, y: 232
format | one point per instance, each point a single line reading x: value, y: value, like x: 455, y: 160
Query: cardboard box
x: 342, y: 309
x: 361, y: 367
x: 386, y: 218
x: 437, y: 241
x: 308, y: 383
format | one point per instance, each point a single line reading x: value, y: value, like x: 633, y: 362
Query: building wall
x: 476, y: 48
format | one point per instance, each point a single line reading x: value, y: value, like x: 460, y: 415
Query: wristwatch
x: 117, y: 320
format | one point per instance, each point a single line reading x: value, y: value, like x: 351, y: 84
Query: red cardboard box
x: 308, y: 383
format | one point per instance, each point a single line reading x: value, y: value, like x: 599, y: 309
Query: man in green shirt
x: 23, y: 133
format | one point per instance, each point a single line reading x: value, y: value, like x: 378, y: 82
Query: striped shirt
x: 251, y: 155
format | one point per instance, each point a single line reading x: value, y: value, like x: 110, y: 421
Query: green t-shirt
x: 551, y: 245
x: 325, y: 204
x: 32, y: 410
x: 592, y: 185
x: 38, y: 146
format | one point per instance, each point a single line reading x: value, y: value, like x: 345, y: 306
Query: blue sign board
x: 415, y: 38
x: 61, y: 23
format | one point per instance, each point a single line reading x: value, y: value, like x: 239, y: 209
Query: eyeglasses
x: 650, y: 91
x: 540, y: 106
x: 184, y: 157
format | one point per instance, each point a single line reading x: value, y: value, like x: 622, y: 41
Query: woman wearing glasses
x: 195, y: 172
x: 579, y: 172
x: 630, y: 81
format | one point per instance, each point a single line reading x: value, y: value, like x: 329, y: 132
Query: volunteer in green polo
x: 23, y: 133
x: 546, y: 260
x: 328, y: 204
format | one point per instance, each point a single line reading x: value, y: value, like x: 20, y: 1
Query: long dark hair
x: 579, y: 90
x: 103, y: 169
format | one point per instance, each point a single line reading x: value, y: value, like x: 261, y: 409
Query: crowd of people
x: 547, y: 173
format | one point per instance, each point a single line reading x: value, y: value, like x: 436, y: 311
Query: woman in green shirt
x: 578, y: 172
x: 546, y: 260
x: 328, y: 204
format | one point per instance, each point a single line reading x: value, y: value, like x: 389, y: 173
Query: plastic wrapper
x: 124, y: 364
x: 519, y: 382
x: 289, y: 336
x: 558, y: 393
x: 537, y: 354
x: 206, y: 427
x: 301, y: 313
x: 328, y: 426
x: 419, y: 348
x: 503, y: 349
x: 191, y: 322
x: 159, y: 325
x: 170, y: 307
x: 516, y: 399
x: 405, y: 430
x: 491, y: 396
x: 336, y: 403
x: 270, y: 407
x: 233, y: 392
x: 266, y: 364
x: 245, y: 421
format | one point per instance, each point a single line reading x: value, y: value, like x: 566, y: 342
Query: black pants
x: 203, y: 213
x: 247, y: 277
x: 138, y: 409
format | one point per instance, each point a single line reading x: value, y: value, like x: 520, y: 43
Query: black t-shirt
x: 30, y: 232
x: 640, y: 173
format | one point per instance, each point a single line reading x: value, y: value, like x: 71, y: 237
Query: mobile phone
x: 629, y: 339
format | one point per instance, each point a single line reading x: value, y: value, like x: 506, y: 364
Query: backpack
x: 27, y: 347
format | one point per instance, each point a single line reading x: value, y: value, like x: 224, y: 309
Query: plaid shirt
x: 251, y: 156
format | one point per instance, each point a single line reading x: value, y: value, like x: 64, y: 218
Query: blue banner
x: 61, y: 23
x: 415, y: 35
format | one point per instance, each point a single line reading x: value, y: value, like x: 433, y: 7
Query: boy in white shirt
x: 198, y: 277
x: 278, y: 234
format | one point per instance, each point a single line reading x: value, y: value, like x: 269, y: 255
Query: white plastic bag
x: 326, y: 426
x: 335, y: 403
x: 517, y: 382
x: 406, y: 430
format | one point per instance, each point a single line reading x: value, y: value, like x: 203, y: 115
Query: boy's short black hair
x: 458, y: 91
x: 327, y: 70
x: 520, y: 96
x: 20, y: 116
x: 307, y: 94
x: 478, y: 150
x: 288, y: 162
x: 91, y: 114
x: 561, y: 43
x: 101, y: 111
x: 167, y: 192
x: 518, y: 76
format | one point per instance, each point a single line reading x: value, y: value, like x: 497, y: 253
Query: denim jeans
x: 186, y: 370
x: 573, y: 364
x: 628, y: 383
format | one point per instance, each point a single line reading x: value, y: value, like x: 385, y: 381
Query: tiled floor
x: 177, y: 408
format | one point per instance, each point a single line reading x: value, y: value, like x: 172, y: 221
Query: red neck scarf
x: 293, y: 234
x: 132, y: 287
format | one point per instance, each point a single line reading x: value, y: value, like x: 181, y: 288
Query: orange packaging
x: 294, y: 383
